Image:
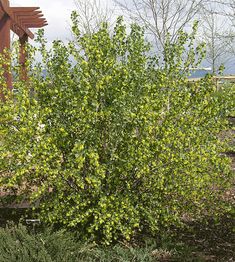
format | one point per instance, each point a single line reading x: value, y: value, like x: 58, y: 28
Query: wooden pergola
x: 18, y: 20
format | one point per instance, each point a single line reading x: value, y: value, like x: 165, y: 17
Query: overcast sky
x: 57, y: 13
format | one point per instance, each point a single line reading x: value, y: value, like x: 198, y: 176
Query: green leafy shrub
x: 111, y: 142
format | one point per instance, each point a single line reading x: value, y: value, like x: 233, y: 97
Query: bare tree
x: 162, y: 17
x: 218, y: 33
x: 222, y: 7
x: 91, y: 13
x: 165, y: 18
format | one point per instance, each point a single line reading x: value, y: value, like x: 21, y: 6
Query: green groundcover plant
x: 19, y: 244
x: 105, y: 138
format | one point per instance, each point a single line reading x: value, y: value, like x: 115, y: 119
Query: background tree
x: 217, y: 31
x: 162, y: 17
x: 92, y: 13
x: 218, y: 36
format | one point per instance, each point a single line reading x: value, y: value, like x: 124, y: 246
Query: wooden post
x: 5, y: 26
x: 23, y: 57
x: 19, y: 20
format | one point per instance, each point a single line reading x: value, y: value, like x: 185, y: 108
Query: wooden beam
x: 23, y: 57
x: 27, y: 15
x: 34, y: 21
x: 34, y: 25
x: 24, y: 9
x: 5, y: 27
x: 2, y: 13
x: 8, y: 11
x: 17, y: 30
x: 19, y: 15
x: 25, y: 22
x: 31, y: 19
x: 25, y: 19
x: 19, y: 12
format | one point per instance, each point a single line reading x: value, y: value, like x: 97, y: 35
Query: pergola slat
x: 25, y: 22
x: 28, y: 14
x: 24, y: 9
x: 17, y: 30
x: 7, y: 9
x: 26, y: 18
x: 36, y: 26
x: 31, y: 24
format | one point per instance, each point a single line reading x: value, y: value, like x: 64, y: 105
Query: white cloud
x: 57, y: 13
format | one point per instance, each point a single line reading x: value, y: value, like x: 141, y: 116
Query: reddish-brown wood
x: 19, y: 20
x: 16, y: 12
x: 16, y: 29
x: 26, y: 20
x: 1, y: 13
x: 35, y: 24
x: 24, y: 9
x: 23, y: 57
x: 8, y: 10
x: 5, y: 25
x: 29, y: 15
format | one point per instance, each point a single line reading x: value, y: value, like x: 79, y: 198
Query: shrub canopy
x: 110, y: 141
